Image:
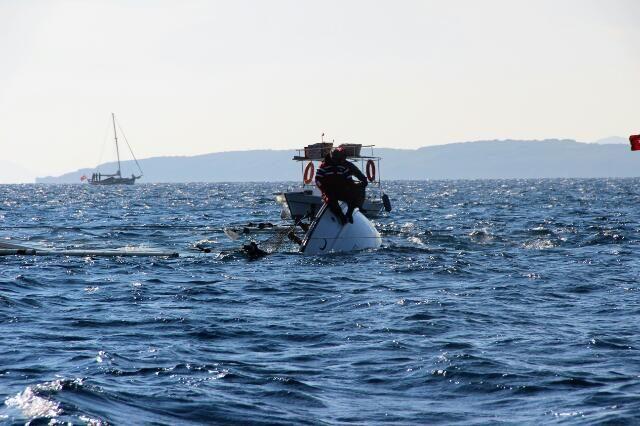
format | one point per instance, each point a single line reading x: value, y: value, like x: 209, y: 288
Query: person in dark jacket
x: 335, y: 179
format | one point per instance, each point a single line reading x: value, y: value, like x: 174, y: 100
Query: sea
x: 489, y: 302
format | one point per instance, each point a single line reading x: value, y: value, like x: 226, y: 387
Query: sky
x: 193, y: 77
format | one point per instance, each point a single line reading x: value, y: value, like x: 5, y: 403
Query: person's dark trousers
x: 353, y: 194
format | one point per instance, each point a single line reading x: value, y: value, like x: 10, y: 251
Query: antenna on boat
x: 115, y: 136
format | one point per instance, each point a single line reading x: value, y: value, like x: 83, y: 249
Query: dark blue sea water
x: 510, y: 302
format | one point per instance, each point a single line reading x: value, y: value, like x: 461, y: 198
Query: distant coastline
x: 497, y: 159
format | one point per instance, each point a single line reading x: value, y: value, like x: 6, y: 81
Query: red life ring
x: 371, y: 170
x: 308, y: 173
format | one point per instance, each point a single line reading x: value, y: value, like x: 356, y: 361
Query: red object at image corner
x: 634, y: 140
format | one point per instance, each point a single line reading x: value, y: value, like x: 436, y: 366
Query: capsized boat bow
x: 327, y: 234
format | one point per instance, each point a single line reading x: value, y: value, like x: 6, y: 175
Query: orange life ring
x: 308, y: 173
x: 371, y: 170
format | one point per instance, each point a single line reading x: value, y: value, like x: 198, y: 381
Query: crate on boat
x: 317, y: 151
x: 352, y: 149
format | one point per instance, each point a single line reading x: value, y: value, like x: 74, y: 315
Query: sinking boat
x: 116, y: 178
x: 306, y: 201
x: 327, y: 234
x: 323, y: 232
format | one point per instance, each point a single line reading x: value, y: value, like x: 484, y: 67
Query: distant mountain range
x: 496, y: 159
x: 613, y: 139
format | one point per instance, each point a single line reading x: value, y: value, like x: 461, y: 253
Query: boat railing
x: 302, y: 157
x: 362, y: 159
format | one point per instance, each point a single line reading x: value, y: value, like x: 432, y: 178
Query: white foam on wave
x: 91, y: 422
x: 416, y: 240
x: 407, y: 226
x: 33, y: 405
x: 539, y: 244
x: 482, y: 235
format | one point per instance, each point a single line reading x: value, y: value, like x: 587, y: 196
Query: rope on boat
x: 274, y: 243
x: 130, y: 150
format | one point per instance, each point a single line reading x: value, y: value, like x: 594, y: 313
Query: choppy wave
x: 489, y: 302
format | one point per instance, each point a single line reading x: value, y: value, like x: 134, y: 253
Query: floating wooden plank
x: 7, y: 249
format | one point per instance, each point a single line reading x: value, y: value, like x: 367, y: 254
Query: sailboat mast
x: 115, y: 136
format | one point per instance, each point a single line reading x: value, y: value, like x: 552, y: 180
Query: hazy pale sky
x: 191, y: 77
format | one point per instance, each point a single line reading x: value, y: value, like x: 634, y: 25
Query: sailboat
x: 115, y: 178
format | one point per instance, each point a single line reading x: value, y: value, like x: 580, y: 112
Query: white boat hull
x: 328, y: 235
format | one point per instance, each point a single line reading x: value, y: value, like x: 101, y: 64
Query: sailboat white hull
x: 328, y: 235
